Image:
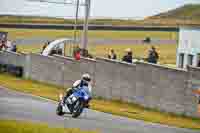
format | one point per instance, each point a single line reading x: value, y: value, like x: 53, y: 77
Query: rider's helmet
x: 86, y: 77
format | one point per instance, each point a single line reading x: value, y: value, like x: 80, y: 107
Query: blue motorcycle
x: 75, y: 103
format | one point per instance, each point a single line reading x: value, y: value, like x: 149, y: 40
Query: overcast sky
x: 99, y: 8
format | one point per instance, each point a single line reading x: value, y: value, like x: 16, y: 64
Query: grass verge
x: 10, y: 126
x: 52, y: 34
x: 114, y: 107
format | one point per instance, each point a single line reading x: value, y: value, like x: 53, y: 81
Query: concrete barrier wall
x: 153, y: 86
x: 58, y: 70
x: 46, y: 69
x: 161, y: 87
x: 72, y: 69
x: 191, y: 99
x: 14, y: 59
x: 113, y: 82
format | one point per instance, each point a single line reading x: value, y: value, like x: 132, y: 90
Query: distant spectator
x: 45, y: 45
x: 78, y: 55
x: 75, y: 50
x: 147, y: 40
x: 0, y: 45
x: 112, y: 55
x: 14, y: 48
x: 153, y: 55
x: 85, y: 53
x: 128, y: 56
x: 3, y: 45
x: 11, y: 46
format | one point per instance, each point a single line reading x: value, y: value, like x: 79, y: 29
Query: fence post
x: 27, y: 69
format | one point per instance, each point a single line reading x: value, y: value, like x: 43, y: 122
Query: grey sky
x: 100, y: 8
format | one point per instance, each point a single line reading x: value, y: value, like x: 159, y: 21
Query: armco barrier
x: 153, y: 86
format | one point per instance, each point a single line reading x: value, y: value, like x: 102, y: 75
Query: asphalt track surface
x: 20, y: 106
x: 90, y: 27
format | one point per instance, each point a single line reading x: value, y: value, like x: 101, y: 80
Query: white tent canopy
x: 59, y: 43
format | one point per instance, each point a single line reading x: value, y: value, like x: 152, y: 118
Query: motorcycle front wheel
x: 78, y: 109
x: 59, y: 110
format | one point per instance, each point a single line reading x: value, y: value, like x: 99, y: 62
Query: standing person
x: 0, y: 45
x: 112, y: 55
x: 153, y: 55
x: 3, y: 45
x: 77, y: 53
x: 128, y: 57
x: 11, y: 46
x: 14, y: 49
x: 45, y: 45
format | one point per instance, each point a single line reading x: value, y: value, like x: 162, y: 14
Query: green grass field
x: 34, y: 33
x: 115, y: 107
x: 12, y: 126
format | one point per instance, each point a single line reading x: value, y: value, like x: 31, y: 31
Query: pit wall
x: 149, y: 85
x: 17, y: 59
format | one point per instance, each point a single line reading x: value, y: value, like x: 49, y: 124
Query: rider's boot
x: 87, y: 105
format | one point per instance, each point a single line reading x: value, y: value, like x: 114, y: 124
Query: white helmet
x: 128, y: 50
x: 86, y: 77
